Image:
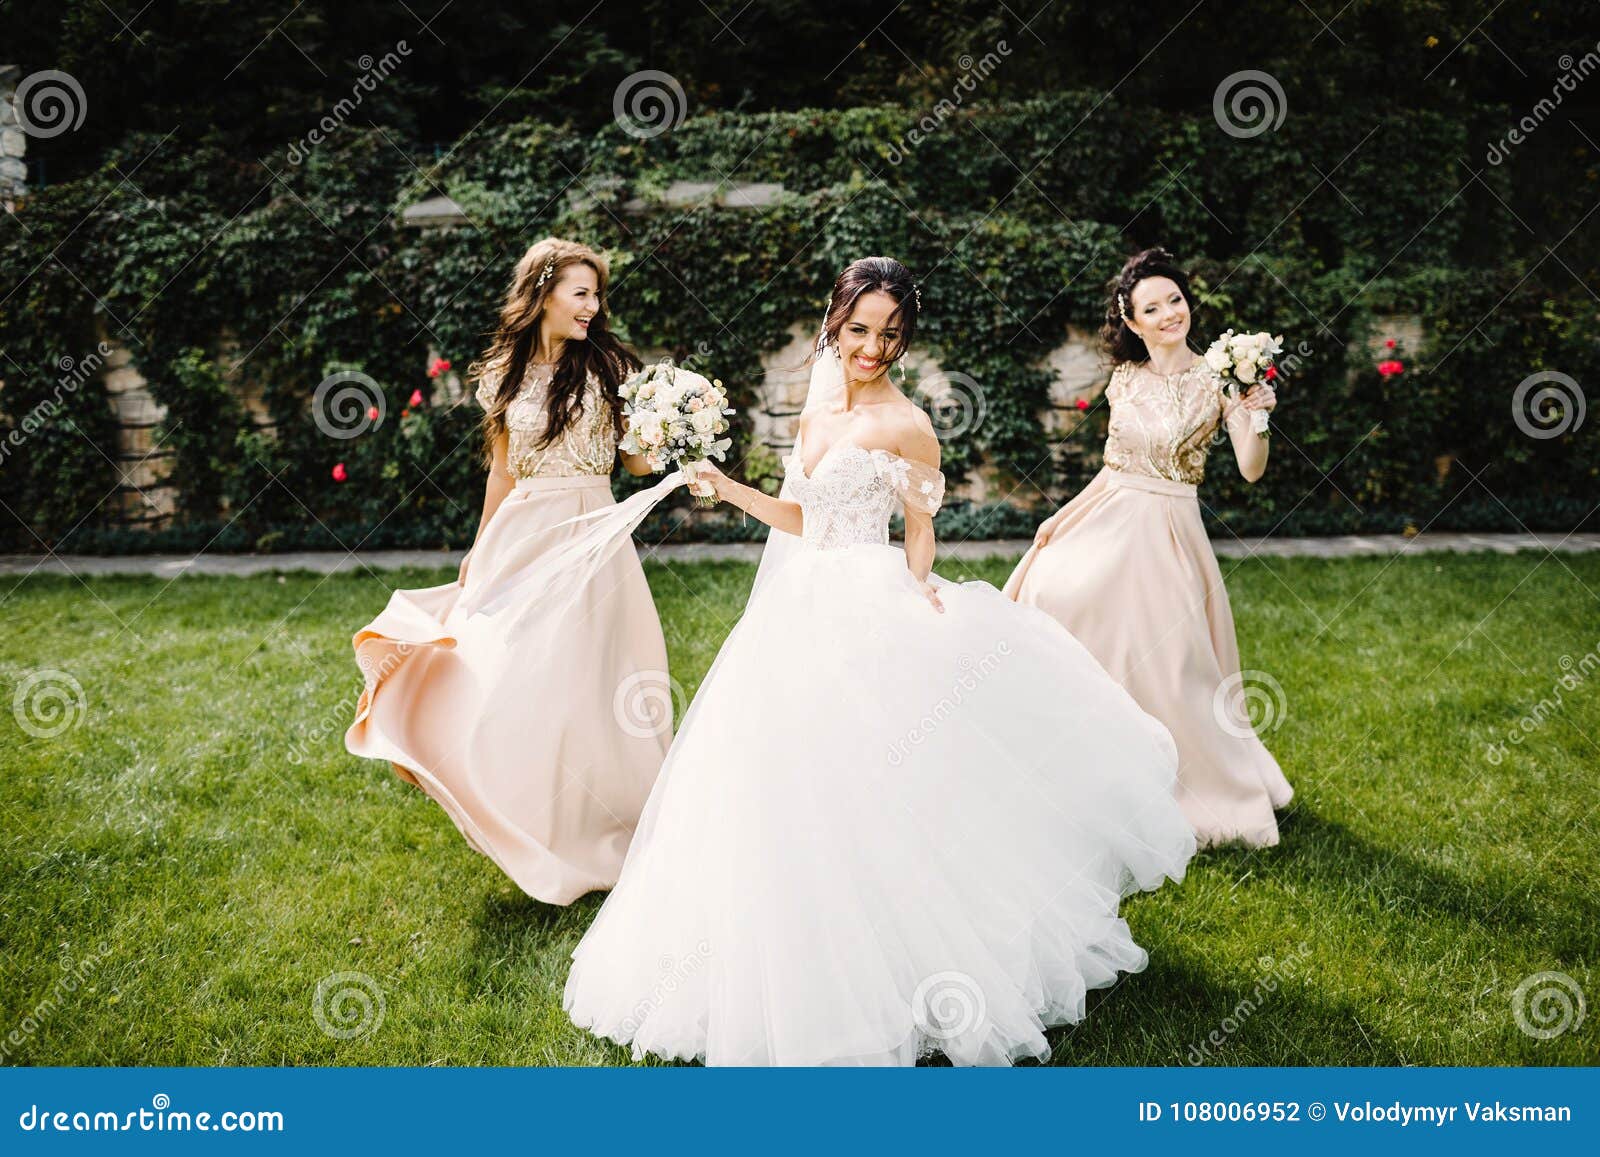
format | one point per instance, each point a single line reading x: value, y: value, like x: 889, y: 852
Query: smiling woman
x: 1126, y: 565
x: 542, y: 747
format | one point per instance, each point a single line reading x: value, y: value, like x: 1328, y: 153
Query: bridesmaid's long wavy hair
x: 512, y: 344
x: 868, y: 275
x: 1121, y: 343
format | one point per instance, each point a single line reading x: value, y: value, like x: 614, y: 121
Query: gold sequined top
x: 589, y: 445
x: 1163, y: 426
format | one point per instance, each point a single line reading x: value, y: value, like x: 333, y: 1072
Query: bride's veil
x: 827, y: 383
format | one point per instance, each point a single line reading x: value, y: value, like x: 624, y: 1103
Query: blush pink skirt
x: 541, y: 744
x: 1131, y: 573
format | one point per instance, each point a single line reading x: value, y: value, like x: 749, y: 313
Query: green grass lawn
x: 185, y: 862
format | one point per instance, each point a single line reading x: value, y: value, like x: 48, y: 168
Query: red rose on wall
x: 439, y: 366
x: 1390, y: 368
x: 339, y: 472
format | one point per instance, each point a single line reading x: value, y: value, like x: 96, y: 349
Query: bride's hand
x: 931, y: 593
x: 704, y: 478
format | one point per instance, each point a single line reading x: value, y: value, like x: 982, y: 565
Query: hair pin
x: 916, y: 291
x: 549, y: 268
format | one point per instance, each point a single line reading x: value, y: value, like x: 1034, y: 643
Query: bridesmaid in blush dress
x: 541, y: 744
x: 1127, y: 568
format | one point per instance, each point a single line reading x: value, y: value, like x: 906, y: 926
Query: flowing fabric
x: 541, y: 747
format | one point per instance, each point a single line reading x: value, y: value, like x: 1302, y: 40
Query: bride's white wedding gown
x: 882, y: 831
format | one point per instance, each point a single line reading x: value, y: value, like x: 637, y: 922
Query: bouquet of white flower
x: 674, y: 417
x: 1245, y: 359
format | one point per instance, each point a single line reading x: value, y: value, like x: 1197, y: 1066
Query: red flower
x: 1081, y: 404
x: 416, y: 399
x: 1272, y: 372
x: 405, y: 413
x: 439, y: 366
x: 372, y: 413
x: 339, y: 472
x: 1389, y: 344
x: 1391, y: 367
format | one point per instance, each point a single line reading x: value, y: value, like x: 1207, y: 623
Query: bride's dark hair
x: 1119, y: 340
x: 873, y: 275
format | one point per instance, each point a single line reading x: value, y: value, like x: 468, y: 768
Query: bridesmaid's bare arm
x: 495, y: 489
x: 1249, y: 448
x: 636, y: 464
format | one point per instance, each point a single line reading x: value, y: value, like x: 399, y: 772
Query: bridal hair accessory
x: 916, y: 291
x: 1124, y: 306
x: 549, y: 268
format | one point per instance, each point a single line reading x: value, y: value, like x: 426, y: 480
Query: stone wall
x: 1076, y: 365
x: 13, y: 142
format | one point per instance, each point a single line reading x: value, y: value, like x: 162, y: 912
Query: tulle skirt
x: 1130, y: 572
x: 541, y: 744
x: 883, y: 832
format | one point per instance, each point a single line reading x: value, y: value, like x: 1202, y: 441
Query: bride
x: 901, y: 812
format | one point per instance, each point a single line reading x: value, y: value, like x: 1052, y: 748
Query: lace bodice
x: 852, y: 491
x: 589, y: 445
x: 1162, y: 427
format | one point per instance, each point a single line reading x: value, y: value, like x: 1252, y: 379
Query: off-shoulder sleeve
x: 920, y: 487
